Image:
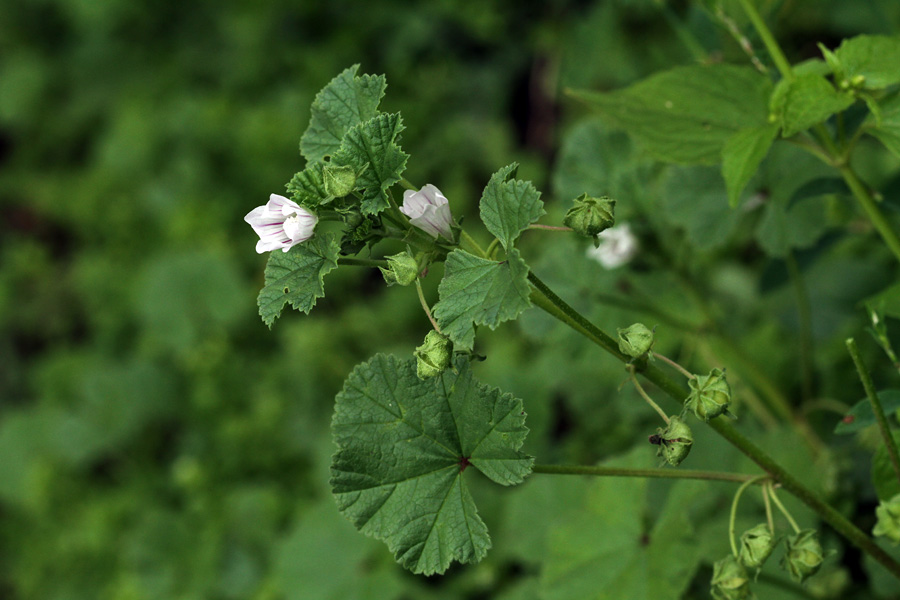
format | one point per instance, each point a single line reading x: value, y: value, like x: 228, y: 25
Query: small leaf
x: 403, y: 446
x: 887, y: 127
x: 297, y: 276
x: 346, y: 101
x: 871, y: 60
x: 478, y: 291
x: 821, y: 186
x: 804, y: 101
x: 861, y: 415
x: 371, y: 149
x: 508, y: 206
x: 307, y: 187
x: 741, y: 156
x: 687, y: 114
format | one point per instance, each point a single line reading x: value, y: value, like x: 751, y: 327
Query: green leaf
x: 887, y: 127
x: 478, y: 291
x: 874, y: 58
x: 694, y: 198
x: 307, y: 187
x: 798, y: 104
x: 741, y: 156
x: 403, y: 446
x: 346, y: 101
x: 508, y: 205
x: 883, y: 475
x: 613, y: 548
x: 887, y: 300
x: 861, y: 415
x: 687, y: 114
x: 371, y: 149
x: 297, y: 276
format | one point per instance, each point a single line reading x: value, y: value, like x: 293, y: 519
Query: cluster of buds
x: 803, y: 554
x: 757, y: 544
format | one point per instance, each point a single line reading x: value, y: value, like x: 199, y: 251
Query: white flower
x: 617, y: 247
x: 428, y: 210
x: 281, y: 223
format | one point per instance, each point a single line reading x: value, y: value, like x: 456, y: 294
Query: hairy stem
x: 883, y: 426
x: 651, y: 473
x: 544, y: 298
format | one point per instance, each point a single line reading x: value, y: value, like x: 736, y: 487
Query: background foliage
x: 158, y: 441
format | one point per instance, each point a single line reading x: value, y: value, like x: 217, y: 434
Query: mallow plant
x: 410, y: 429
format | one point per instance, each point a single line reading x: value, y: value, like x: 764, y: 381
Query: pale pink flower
x: 428, y: 210
x: 281, y: 223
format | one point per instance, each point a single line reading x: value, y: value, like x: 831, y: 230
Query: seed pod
x: 730, y: 580
x: 635, y: 340
x: 402, y: 269
x: 433, y: 356
x: 803, y: 555
x: 710, y: 395
x: 888, y: 525
x: 674, y: 441
x: 757, y: 544
x: 589, y: 216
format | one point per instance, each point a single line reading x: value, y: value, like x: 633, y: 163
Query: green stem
x: 424, y: 304
x: 645, y: 396
x: 782, y: 508
x: 674, y: 365
x: 883, y: 426
x: 405, y: 183
x: 734, y: 505
x: 545, y: 299
x: 466, y: 241
x: 865, y: 199
x: 362, y: 262
x: 651, y: 473
x: 781, y: 62
x: 805, y: 321
x: 548, y: 227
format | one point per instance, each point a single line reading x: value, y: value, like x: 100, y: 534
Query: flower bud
x: 433, y: 356
x: 730, y: 580
x: 635, y: 340
x: 803, y: 556
x: 674, y: 441
x: 757, y: 544
x: 888, y: 525
x: 338, y: 181
x: 589, y: 216
x: 710, y: 395
x: 402, y: 269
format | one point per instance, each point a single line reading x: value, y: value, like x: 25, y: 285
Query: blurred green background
x: 156, y: 439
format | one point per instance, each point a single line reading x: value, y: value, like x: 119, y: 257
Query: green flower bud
x: 757, y: 544
x: 888, y: 513
x: 402, y: 269
x: 433, y: 356
x: 338, y: 181
x: 635, y: 340
x: 674, y: 441
x: 710, y: 395
x: 589, y: 216
x: 730, y: 580
x: 803, y: 556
